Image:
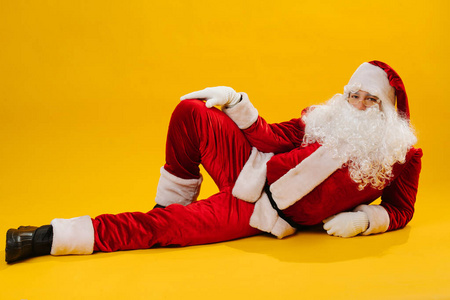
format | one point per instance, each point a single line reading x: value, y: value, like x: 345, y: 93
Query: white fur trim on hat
x: 378, y: 218
x: 373, y: 80
x: 244, y: 114
x: 72, y: 236
x: 251, y: 180
x: 302, y: 179
x: 172, y: 189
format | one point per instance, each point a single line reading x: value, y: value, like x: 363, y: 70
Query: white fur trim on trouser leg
x: 244, y: 114
x: 251, y: 180
x: 378, y: 218
x: 302, y: 179
x: 73, y: 236
x: 172, y: 189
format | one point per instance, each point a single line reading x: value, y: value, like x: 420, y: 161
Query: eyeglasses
x: 368, y: 101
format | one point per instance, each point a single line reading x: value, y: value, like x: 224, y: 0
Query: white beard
x: 372, y: 140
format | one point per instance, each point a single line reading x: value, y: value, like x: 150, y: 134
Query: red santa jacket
x: 309, y: 193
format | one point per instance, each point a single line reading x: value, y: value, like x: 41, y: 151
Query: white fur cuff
x: 73, y: 236
x: 251, y: 180
x: 244, y: 114
x: 378, y: 218
x: 172, y: 189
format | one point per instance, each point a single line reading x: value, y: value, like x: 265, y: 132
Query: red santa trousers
x: 196, y: 135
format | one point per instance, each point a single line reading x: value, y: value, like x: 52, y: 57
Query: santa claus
x: 328, y: 165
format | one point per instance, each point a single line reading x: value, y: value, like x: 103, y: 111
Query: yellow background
x: 86, y: 92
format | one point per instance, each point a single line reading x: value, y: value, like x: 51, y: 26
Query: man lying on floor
x: 328, y: 165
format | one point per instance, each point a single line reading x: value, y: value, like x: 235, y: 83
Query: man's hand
x: 219, y: 95
x: 346, y: 224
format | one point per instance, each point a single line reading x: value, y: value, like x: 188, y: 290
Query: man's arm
x: 395, y: 210
x: 399, y: 197
x: 276, y: 137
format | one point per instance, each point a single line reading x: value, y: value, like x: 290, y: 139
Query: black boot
x: 28, y: 241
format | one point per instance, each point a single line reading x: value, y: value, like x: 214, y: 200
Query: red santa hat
x: 379, y: 79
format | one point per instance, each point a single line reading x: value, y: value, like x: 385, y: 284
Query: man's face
x: 362, y: 100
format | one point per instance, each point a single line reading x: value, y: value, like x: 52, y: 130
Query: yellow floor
x: 86, y: 92
x: 412, y: 263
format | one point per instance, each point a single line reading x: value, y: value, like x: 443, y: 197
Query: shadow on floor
x: 315, y: 246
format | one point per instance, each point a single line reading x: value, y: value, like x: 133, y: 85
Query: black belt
x: 274, y: 205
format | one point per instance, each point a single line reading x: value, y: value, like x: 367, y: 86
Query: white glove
x: 346, y: 224
x: 219, y: 95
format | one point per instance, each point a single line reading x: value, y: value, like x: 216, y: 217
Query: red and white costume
x: 241, y: 152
